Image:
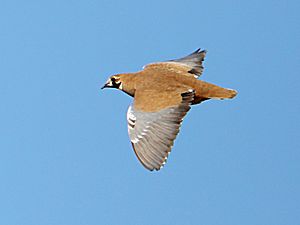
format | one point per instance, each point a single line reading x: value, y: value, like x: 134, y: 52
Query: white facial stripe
x: 121, y: 85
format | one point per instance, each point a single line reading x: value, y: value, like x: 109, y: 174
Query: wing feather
x: 152, y: 134
x: 190, y: 64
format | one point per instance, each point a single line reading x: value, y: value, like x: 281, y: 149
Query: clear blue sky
x: 65, y: 156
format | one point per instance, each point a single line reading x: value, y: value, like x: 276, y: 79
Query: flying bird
x: 163, y: 93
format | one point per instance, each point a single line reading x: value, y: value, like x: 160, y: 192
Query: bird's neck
x: 128, y: 83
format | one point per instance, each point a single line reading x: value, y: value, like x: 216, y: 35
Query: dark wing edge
x: 152, y: 134
x: 194, y: 61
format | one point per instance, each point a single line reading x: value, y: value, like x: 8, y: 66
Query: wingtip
x: 200, y: 51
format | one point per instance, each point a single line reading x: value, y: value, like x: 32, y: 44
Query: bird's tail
x: 207, y: 90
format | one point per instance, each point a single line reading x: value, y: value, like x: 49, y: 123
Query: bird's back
x: 166, y: 80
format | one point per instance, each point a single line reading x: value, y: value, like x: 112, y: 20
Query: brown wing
x: 152, y: 133
x: 191, y: 64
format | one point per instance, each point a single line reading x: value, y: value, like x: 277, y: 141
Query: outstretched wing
x: 191, y: 64
x: 152, y: 133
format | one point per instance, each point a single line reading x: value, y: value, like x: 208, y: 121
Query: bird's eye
x: 113, y: 79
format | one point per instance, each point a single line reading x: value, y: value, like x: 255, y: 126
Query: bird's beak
x: 108, y: 84
x: 104, y: 86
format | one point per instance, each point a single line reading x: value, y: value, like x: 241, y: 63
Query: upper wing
x: 152, y: 133
x: 191, y: 64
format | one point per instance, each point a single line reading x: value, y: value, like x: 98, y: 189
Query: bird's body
x: 153, y: 82
x: 163, y: 93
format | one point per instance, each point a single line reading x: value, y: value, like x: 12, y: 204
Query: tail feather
x: 222, y: 93
x: 206, y: 90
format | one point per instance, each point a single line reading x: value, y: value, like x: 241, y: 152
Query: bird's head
x: 113, y: 82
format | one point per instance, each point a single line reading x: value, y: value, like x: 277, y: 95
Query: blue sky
x: 65, y: 156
